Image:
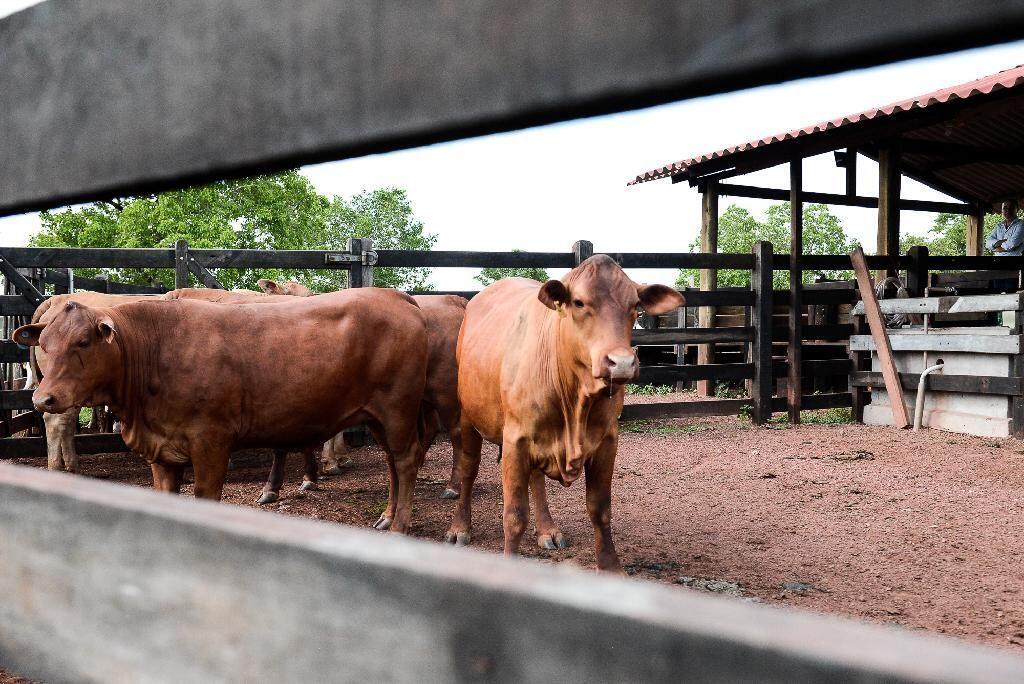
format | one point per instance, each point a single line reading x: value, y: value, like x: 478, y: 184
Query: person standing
x: 1007, y: 239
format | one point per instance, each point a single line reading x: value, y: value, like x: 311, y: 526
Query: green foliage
x: 277, y: 211
x: 948, y: 235
x: 661, y: 427
x: 649, y: 390
x: 739, y: 231
x: 487, y: 276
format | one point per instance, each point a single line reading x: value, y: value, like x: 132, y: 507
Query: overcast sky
x: 543, y: 188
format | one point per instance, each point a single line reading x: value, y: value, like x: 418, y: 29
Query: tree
x: 277, y: 211
x: 948, y: 235
x: 489, y: 275
x: 739, y: 231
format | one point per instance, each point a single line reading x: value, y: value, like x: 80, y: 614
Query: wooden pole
x: 917, y: 272
x: 180, y: 264
x: 708, y: 278
x: 794, y: 384
x: 581, y: 251
x: 888, y: 240
x: 361, y: 275
x: 876, y: 323
x: 851, y: 172
x: 976, y: 232
x: 761, y: 319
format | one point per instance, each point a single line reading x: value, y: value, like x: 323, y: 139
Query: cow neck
x: 140, y: 353
x: 575, y: 401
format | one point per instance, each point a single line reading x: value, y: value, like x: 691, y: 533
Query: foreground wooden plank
x: 105, y: 582
x: 900, y: 418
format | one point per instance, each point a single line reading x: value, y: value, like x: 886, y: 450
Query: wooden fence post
x: 917, y: 272
x: 180, y: 264
x: 361, y: 274
x: 581, y: 251
x: 761, y: 319
x: 794, y: 380
x: 708, y: 278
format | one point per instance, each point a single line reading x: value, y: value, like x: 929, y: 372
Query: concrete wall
x: 103, y: 582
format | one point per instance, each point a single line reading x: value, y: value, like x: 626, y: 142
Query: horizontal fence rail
x: 130, y: 584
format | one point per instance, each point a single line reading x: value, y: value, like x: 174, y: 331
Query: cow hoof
x: 551, y: 542
x: 457, y: 538
x: 449, y: 493
x: 307, y: 485
x: 383, y: 523
x: 267, y: 497
x: 338, y: 467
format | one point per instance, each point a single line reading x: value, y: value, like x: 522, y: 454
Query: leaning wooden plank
x: 961, y: 304
x: 981, y: 344
x: 878, y: 332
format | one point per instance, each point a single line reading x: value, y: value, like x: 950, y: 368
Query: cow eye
x: 578, y: 303
x: 84, y: 343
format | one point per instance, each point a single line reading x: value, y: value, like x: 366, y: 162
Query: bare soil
x: 922, y: 530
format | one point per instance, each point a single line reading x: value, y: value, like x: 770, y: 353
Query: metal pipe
x: 919, y: 403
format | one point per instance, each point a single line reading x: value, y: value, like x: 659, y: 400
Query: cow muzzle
x: 621, y: 367
x: 47, y: 403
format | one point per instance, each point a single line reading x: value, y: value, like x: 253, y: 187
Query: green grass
x: 85, y: 416
x: 660, y: 427
x: 649, y: 390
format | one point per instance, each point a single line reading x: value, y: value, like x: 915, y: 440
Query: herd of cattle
x: 537, y: 368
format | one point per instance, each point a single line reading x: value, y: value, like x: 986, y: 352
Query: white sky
x: 540, y: 189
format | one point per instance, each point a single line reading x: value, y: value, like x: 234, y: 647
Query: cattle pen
x: 100, y: 582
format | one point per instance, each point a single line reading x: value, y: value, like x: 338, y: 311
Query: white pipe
x: 919, y: 404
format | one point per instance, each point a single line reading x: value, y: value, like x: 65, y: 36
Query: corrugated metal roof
x: 1010, y: 78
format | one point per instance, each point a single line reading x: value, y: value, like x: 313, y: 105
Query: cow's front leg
x: 272, y: 488
x: 167, y: 477
x: 335, y: 455
x: 60, y: 440
x: 599, y: 471
x: 515, y: 481
x: 210, y: 469
x: 548, y: 535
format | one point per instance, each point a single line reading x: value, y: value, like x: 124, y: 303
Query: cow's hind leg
x: 312, y: 474
x: 275, y: 480
x: 453, y: 424
x: 387, y: 516
x: 460, y: 531
x: 599, y: 472
x: 548, y: 535
x: 404, y: 460
x: 335, y: 455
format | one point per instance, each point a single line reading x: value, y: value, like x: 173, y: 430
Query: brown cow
x: 443, y: 315
x: 61, y: 428
x: 193, y: 380
x: 541, y: 372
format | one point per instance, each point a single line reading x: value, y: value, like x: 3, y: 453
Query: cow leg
x: 452, y: 423
x: 210, y: 472
x: 388, y: 516
x: 335, y: 455
x: 272, y: 488
x: 312, y: 474
x: 599, y: 471
x: 60, y: 440
x: 407, y: 465
x: 548, y: 535
x: 460, y: 531
x: 167, y: 477
x: 515, y: 481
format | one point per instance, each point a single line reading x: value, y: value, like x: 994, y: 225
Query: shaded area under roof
x: 966, y: 141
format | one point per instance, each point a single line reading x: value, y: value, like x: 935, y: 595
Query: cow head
x: 599, y: 305
x: 83, y: 357
x: 292, y: 287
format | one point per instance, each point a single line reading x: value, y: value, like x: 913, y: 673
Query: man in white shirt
x: 1008, y: 237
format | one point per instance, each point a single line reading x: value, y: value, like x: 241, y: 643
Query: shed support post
x: 888, y: 242
x: 761, y: 319
x: 708, y: 278
x: 361, y: 274
x: 180, y: 264
x: 917, y: 272
x: 581, y: 251
x: 851, y: 171
x: 976, y: 231
x: 794, y: 381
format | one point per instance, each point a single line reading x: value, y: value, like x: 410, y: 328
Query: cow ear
x: 659, y: 299
x: 106, y: 329
x: 553, y: 293
x: 267, y: 285
x: 28, y: 335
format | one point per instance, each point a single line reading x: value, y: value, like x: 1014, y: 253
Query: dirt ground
x: 921, y: 530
